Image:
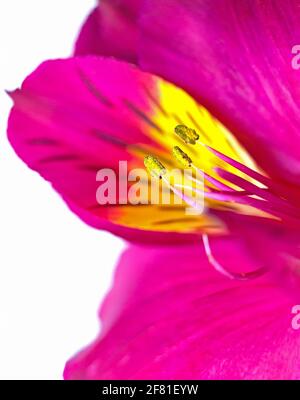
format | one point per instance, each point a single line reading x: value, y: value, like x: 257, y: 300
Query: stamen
x: 275, y: 201
x: 182, y: 157
x: 189, y: 200
x: 218, y: 184
x: 246, y: 186
x: 186, y: 161
x: 188, y: 135
x: 242, y: 276
x: 154, y: 166
x: 266, y: 200
x: 157, y: 170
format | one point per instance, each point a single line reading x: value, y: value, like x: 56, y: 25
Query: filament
x: 242, y: 276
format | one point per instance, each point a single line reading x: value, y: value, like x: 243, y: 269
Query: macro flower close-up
x: 175, y: 126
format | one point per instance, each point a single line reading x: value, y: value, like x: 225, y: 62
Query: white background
x: 54, y: 270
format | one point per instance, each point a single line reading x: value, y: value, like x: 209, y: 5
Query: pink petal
x: 276, y: 247
x: 169, y: 315
x: 73, y: 117
x: 235, y: 57
x: 111, y: 30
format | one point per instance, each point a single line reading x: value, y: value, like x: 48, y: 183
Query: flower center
x: 234, y: 187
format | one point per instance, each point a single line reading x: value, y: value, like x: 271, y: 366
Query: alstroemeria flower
x: 223, y: 74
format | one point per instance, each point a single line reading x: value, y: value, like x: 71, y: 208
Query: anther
x: 188, y: 135
x: 154, y: 167
x: 182, y: 157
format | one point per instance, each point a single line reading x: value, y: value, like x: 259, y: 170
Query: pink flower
x: 170, y: 314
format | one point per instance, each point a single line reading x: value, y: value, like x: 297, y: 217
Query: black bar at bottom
x: 96, y: 390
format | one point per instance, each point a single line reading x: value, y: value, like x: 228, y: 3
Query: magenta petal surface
x: 235, y: 57
x: 169, y: 315
x: 111, y: 30
x: 274, y: 247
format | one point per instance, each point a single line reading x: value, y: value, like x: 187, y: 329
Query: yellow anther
x: 182, y: 157
x: 188, y: 135
x: 154, y: 166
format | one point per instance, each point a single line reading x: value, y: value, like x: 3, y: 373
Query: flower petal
x: 276, y: 246
x: 235, y: 58
x: 171, y: 316
x: 110, y: 30
x: 73, y: 117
